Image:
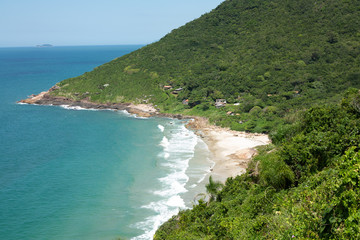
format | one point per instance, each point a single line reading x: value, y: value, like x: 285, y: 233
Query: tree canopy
x: 275, y: 55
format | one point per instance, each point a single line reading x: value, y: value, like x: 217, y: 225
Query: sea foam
x: 126, y: 113
x: 77, y: 108
x: 178, y: 144
x: 161, y: 127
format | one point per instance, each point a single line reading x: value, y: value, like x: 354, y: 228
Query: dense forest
x: 287, y: 68
x: 273, y: 57
x: 306, y: 186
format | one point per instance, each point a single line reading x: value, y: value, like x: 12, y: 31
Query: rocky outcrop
x: 45, y: 98
x: 141, y: 110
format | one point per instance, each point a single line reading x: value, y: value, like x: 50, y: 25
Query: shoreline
x: 231, y: 151
x: 140, y: 110
x: 227, y: 152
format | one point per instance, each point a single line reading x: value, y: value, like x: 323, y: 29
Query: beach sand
x: 231, y: 150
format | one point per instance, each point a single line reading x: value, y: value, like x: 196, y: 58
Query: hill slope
x: 257, y: 47
x: 275, y: 58
x: 283, y: 54
x: 305, y: 187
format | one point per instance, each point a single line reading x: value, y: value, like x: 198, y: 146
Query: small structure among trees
x: 220, y: 103
x: 176, y: 91
x: 167, y: 87
x: 230, y: 113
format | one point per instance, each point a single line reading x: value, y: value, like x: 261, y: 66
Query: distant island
x: 44, y: 45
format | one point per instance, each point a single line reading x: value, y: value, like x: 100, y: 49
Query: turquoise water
x: 82, y: 174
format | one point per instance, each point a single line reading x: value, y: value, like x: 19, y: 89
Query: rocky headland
x: 141, y: 110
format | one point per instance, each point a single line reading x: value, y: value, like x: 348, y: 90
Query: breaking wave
x: 178, y: 145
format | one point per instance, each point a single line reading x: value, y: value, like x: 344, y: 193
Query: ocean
x: 70, y: 173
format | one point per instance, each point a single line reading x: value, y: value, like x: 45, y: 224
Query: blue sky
x: 94, y: 22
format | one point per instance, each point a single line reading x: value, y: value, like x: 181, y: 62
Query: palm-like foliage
x: 213, y: 188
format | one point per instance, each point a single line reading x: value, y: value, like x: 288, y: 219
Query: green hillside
x: 293, y: 70
x: 305, y: 187
x: 271, y: 56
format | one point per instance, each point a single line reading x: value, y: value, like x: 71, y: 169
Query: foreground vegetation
x: 306, y: 186
x: 274, y: 57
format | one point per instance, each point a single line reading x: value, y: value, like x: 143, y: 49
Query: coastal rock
x: 33, y: 99
x: 141, y: 110
x: 53, y: 88
x: 138, y: 112
x: 45, y: 98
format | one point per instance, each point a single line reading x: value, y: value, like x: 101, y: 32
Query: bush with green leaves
x: 307, y: 186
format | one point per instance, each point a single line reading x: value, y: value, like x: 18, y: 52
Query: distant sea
x: 82, y: 174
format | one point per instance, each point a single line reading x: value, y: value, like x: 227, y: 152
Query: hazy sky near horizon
x: 94, y: 22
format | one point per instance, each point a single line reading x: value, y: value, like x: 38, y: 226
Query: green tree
x: 213, y: 188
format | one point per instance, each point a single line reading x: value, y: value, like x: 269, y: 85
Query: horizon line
x: 85, y: 45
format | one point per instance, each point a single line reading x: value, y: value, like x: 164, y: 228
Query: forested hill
x: 281, y: 54
x: 279, y: 61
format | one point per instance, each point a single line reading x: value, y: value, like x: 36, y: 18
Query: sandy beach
x: 231, y: 150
